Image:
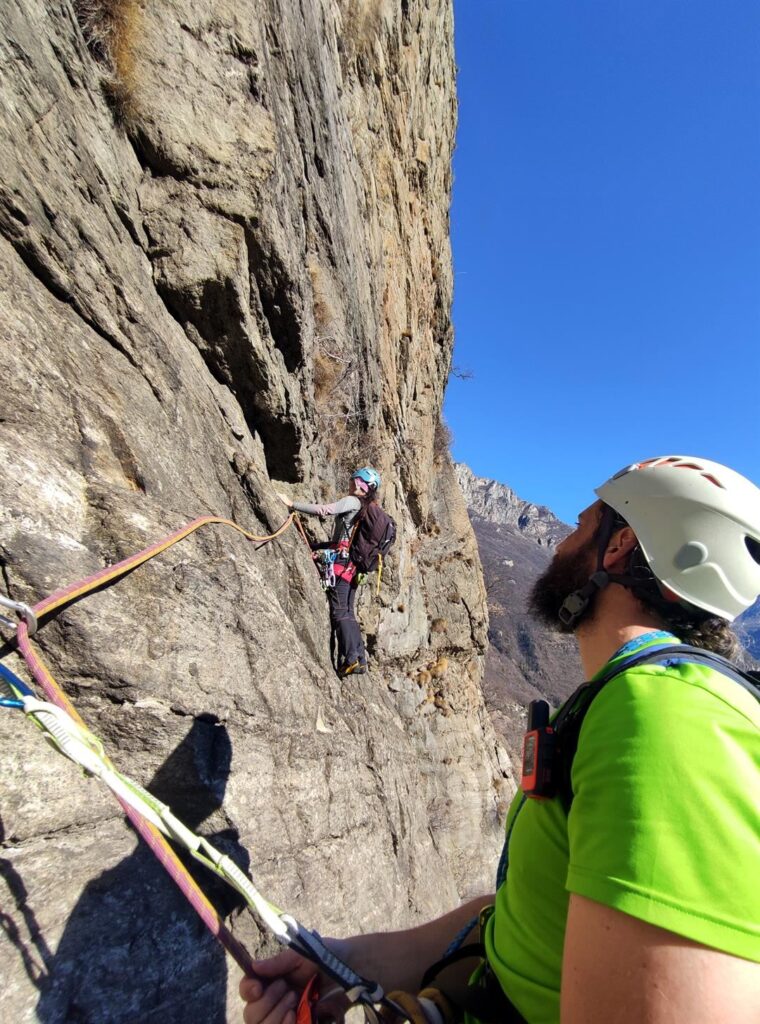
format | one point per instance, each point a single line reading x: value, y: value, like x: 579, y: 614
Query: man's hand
x: 274, y: 993
x: 285, y: 499
x: 396, y: 960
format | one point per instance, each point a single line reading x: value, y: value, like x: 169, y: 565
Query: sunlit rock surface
x: 225, y: 270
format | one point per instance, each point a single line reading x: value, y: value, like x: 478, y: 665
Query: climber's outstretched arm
x: 397, y: 960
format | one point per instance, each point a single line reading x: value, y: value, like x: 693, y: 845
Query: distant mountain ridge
x: 496, y: 503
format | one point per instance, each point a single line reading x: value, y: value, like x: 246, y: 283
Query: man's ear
x: 619, y: 548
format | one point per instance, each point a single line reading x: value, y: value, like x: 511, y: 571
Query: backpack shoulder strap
x: 567, y: 724
x: 749, y: 680
x: 353, y: 529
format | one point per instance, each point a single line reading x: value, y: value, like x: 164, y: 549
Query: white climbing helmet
x: 698, y: 525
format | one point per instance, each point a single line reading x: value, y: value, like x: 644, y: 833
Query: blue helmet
x: 370, y: 476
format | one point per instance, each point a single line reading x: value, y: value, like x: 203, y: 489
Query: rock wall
x: 225, y: 270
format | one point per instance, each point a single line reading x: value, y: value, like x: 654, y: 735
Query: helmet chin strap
x: 575, y: 605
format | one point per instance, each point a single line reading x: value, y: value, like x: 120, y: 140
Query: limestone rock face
x: 237, y: 283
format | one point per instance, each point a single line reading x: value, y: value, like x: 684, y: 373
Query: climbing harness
x: 484, y: 997
x: 428, y: 1006
x: 64, y: 729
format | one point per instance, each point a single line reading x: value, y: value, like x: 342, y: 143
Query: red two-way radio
x: 538, y: 753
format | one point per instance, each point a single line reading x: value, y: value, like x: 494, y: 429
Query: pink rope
x: 162, y: 850
x: 155, y: 840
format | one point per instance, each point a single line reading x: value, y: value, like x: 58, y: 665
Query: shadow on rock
x: 133, y: 950
x: 34, y: 952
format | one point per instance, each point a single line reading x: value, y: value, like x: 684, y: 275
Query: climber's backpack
x: 373, y: 535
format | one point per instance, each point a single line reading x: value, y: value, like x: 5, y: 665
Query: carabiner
x: 13, y: 683
x: 23, y: 611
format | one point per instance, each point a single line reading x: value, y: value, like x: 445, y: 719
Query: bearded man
x: 631, y: 893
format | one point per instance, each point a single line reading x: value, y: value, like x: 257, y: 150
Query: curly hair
x: 691, y: 625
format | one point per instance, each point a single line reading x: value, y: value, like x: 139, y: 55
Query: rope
x: 153, y: 820
x: 80, y: 745
x: 42, y: 674
x: 299, y: 526
x: 158, y: 845
x: 113, y: 572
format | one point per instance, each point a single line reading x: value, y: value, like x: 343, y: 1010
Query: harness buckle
x: 22, y: 610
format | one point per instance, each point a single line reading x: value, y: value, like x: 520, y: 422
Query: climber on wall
x: 338, y: 570
x: 630, y: 885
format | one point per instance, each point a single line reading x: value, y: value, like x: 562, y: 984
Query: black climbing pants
x: 348, y: 635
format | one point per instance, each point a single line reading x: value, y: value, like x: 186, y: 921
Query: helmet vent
x: 713, y: 480
x: 677, y: 464
x: 753, y: 547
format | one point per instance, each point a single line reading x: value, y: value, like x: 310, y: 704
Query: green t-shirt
x: 665, y: 826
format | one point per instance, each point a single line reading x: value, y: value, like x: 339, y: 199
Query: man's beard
x: 566, y: 574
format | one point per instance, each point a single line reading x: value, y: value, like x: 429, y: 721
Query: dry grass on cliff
x: 323, y: 303
x: 351, y: 447
x: 331, y: 366
x: 342, y: 418
x: 442, y: 441
x: 328, y: 369
x: 110, y: 28
x: 341, y: 428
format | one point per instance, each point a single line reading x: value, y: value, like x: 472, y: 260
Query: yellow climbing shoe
x: 357, y: 668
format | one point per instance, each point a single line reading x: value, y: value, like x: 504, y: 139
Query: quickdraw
x: 325, y: 559
x: 64, y: 729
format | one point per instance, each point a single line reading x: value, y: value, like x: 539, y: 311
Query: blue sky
x: 606, y: 234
